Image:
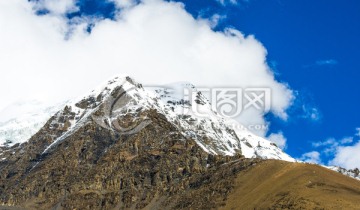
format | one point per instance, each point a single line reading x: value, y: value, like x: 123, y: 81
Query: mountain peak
x: 126, y: 146
x: 123, y: 98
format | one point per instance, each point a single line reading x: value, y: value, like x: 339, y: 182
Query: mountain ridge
x: 176, y: 107
x: 123, y: 147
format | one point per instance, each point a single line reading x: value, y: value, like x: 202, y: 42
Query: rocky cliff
x: 122, y: 147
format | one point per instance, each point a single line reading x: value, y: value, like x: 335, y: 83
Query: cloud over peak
x: 155, y: 41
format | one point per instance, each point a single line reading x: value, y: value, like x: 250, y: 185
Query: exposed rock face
x: 354, y: 173
x: 99, y: 169
x: 109, y: 152
x: 120, y: 148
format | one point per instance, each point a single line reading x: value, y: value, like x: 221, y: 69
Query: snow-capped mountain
x: 19, y: 130
x: 351, y: 173
x: 124, y: 146
x: 211, y: 131
x: 197, y: 118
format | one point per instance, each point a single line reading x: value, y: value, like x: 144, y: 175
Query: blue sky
x: 312, y: 46
x: 315, y: 45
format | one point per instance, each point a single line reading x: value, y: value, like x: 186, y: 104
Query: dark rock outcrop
x: 78, y: 161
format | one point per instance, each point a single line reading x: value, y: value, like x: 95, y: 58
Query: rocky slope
x: 354, y: 173
x: 123, y: 147
x: 179, y: 112
x: 120, y: 145
x: 19, y: 130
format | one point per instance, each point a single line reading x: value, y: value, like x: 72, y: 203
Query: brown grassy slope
x: 281, y: 185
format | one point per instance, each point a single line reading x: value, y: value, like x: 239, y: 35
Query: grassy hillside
x: 281, y: 185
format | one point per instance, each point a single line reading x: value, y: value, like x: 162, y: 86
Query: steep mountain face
x: 123, y: 147
x: 19, y: 130
x: 197, y: 119
x: 170, y: 103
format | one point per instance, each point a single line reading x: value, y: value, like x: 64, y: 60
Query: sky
x: 306, y: 51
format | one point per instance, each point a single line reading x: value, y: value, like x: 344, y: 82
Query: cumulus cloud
x: 330, y: 145
x: 57, y: 7
x: 156, y: 42
x: 347, y: 156
x: 311, y: 157
x: 215, y: 19
x: 340, y: 152
x: 279, y: 139
x: 123, y: 3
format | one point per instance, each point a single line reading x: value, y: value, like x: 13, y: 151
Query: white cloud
x: 330, y: 145
x: 311, y: 157
x: 358, y: 132
x: 332, y: 142
x: 326, y: 62
x: 279, y: 139
x: 232, y: 2
x: 311, y: 112
x: 216, y: 19
x: 347, y: 140
x: 57, y: 7
x: 155, y: 42
x: 347, y: 156
x: 327, y: 142
x: 341, y: 152
x: 123, y: 3
x: 225, y: 2
x: 323, y: 63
